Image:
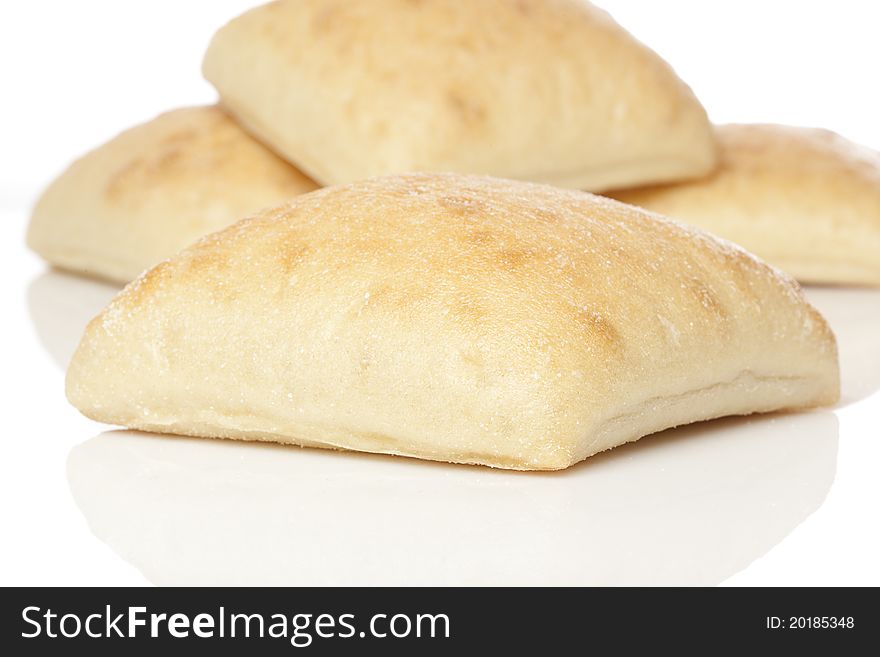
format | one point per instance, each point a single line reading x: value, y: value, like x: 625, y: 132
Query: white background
x: 740, y: 501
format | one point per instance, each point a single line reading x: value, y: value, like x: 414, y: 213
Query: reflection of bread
x: 152, y: 190
x: 689, y: 507
x: 455, y: 318
x: 806, y: 200
x: 553, y: 92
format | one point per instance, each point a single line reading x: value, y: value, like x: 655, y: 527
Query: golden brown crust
x: 456, y: 318
x: 552, y: 91
x: 155, y: 188
x: 807, y: 200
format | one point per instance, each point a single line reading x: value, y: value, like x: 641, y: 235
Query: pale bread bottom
x: 622, y: 175
x: 746, y: 394
x: 843, y: 271
x: 84, y: 261
x: 602, y: 177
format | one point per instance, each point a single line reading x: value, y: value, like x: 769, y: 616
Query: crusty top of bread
x: 456, y: 318
x: 551, y: 91
x: 155, y: 188
x: 805, y: 199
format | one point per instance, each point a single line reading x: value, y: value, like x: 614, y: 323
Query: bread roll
x: 806, y: 200
x: 155, y: 188
x: 550, y: 91
x: 455, y: 318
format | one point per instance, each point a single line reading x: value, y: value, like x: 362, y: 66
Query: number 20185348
x: 809, y: 622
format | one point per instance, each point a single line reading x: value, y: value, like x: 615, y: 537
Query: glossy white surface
x: 783, y: 499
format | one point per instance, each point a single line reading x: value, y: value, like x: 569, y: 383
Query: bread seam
x: 603, y: 434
